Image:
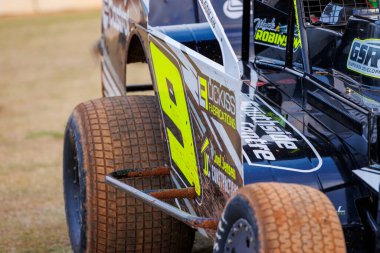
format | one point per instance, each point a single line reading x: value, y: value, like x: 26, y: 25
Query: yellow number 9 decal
x: 173, y: 103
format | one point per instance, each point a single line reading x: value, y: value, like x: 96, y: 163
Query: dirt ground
x: 11, y: 7
x: 46, y: 68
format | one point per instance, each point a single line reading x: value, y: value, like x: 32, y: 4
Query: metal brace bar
x: 184, y: 193
x: 129, y: 173
x: 191, y: 220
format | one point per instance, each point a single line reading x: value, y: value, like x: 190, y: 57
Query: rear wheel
x: 102, y: 136
x: 273, y: 217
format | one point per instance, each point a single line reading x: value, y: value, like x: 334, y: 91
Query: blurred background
x: 46, y: 67
x: 17, y: 7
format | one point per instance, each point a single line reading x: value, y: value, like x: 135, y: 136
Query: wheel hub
x: 240, y: 238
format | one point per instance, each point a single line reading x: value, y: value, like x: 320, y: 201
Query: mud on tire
x: 102, y: 136
x: 273, y: 217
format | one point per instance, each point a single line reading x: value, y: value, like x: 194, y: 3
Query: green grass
x: 48, y: 134
x: 46, y: 68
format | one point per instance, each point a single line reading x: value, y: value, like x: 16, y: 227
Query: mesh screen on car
x: 337, y: 12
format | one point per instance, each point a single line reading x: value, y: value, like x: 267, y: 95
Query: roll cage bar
x: 230, y: 61
x: 231, y: 65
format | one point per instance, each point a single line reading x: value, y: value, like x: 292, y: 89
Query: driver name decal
x: 364, y: 57
x: 274, y: 34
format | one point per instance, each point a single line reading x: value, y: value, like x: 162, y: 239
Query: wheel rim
x: 72, y: 193
x: 240, y: 238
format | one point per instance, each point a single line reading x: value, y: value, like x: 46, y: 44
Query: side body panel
x: 200, y: 108
x: 121, y: 21
x: 200, y: 105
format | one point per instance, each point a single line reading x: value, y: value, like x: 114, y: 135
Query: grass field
x: 46, y: 68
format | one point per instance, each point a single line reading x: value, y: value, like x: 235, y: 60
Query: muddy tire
x: 102, y: 136
x: 272, y: 217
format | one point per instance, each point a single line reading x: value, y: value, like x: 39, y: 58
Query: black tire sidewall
x: 72, y: 140
x: 182, y: 236
x: 238, y: 207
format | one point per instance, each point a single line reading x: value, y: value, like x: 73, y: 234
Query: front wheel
x: 273, y: 217
x: 103, y: 136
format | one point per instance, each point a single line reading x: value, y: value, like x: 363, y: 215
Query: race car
x: 260, y: 130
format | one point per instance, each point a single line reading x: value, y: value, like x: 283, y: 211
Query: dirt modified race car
x: 262, y: 131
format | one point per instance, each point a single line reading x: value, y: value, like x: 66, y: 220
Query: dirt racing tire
x: 102, y: 136
x: 274, y: 217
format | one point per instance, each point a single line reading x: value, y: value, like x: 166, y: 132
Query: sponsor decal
x: 220, y: 161
x: 268, y: 139
x: 218, y: 100
x: 233, y: 9
x: 224, y: 182
x: 264, y: 131
x: 273, y: 34
x: 116, y: 16
x: 364, y: 57
x: 219, y: 170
